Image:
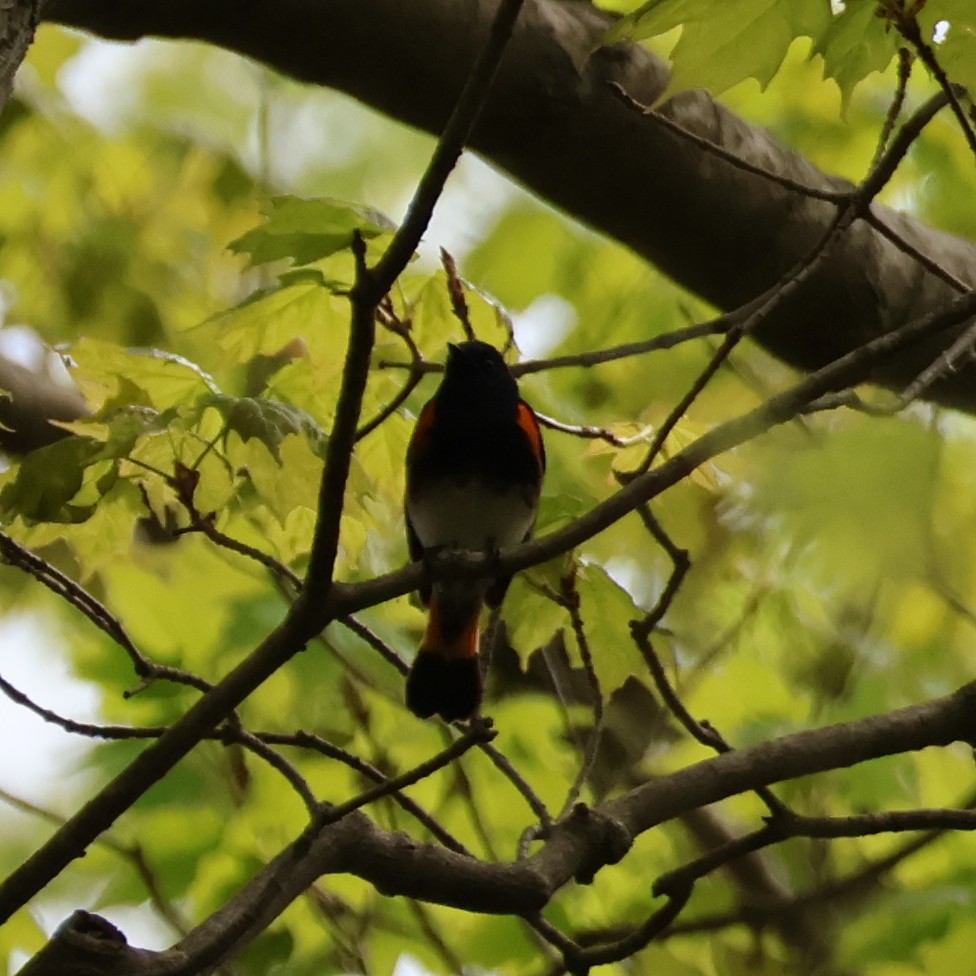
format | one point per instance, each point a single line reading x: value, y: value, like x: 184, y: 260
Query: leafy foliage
x: 723, y: 43
x: 831, y: 561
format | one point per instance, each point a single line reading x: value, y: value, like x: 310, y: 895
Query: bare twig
x: 387, y: 317
x: 792, y: 825
x: 591, y: 433
x: 578, y: 960
x: 595, y: 357
x: 832, y: 196
x: 479, y: 732
x: 880, y: 224
x: 184, y: 483
x: 230, y: 733
x: 904, y: 19
x: 360, y: 629
x: 76, y: 595
x: 905, y: 60
x: 505, y: 767
x: 570, y: 599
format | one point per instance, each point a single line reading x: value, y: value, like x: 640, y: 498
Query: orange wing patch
x: 530, y: 427
x: 424, y: 422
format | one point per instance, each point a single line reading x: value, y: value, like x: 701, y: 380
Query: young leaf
x: 44, y: 483
x: 270, y: 421
x: 307, y: 230
x: 856, y: 43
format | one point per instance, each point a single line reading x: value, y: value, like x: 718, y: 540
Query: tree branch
x: 556, y: 126
x: 580, y: 845
x: 18, y: 19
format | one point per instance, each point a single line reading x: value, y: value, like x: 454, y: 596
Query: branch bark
x: 579, y: 846
x: 555, y: 124
x: 29, y: 399
x: 18, y: 18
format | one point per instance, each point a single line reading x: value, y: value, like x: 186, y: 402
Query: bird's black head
x: 477, y: 375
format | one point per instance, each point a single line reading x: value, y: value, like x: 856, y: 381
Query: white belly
x: 468, y: 517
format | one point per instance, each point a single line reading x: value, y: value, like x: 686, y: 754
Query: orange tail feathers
x: 445, y: 678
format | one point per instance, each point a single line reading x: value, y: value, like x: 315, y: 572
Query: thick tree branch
x: 579, y: 845
x: 18, y: 18
x: 555, y: 125
x: 28, y: 400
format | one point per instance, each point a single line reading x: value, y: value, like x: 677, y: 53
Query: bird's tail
x: 445, y: 678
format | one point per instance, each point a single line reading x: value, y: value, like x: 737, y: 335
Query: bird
x: 474, y: 469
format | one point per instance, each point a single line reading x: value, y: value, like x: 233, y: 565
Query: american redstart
x: 474, y: 473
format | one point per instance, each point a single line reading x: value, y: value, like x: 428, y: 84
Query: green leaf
x: 607, y: 608
x: 44, y: 483
x: 724, y: 42
x: 732, y: 41
x: 110, y: 376
x: 308, y: 230
x: 120, y: 429
x: 270, y: 421
x: 532, y: 616
x: 653, y: 18
x: 856, y: 43
x: 269, y: 320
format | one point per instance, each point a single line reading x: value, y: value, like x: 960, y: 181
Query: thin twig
x: 570, y: 599
x: 230, y: 733
x: 206, y: 524
x: 307, y: 740
x: 74, y: 593
x: 906, y: 247
x: 905, y: 60
x: 479, y: 732
x: 505, y: 767
x: 260, y: 748
x: 591, y: 433
x: 641, y: 630
x: 793, y: 825
x: 713, y: 149
x: 945, y: 363
x: 389, y: 320
x: 907, y: 25
x: 363, y: 632
x: 578, y: 960
x: 596, y: 357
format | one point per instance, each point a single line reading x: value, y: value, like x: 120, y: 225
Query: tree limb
x: 28, y: 400
x: 579, y: 845
x: 18, y: 18
x: 555, y: 125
